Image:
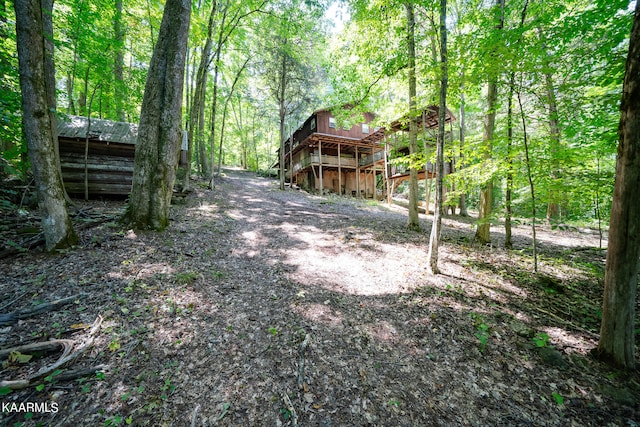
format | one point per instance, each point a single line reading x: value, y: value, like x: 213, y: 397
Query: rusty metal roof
x: 101, y: 130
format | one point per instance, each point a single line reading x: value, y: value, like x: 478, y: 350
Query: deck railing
x: 372, y: 158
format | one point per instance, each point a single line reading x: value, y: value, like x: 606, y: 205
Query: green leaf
x: 559, y: 399
x: 5, y: 390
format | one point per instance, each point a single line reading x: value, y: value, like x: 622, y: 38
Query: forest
x: 211, y: 291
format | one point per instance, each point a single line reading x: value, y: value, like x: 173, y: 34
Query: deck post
x: 387, y: 170
x: 291, y: 161
x: 339, y: 171
x: 357, y: 173
x: 320, y: 166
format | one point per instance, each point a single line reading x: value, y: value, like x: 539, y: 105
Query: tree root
x: 69, y: 354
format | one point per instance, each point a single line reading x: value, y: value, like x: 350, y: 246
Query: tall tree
x: 197, y: 107
x: 159, y: 133
x: 36, y: 79
x: 224, y: 111
x: 617, y: 337
x: 232, y: 15
x: 118, y: 61
x: 434, y: 239
x: 413, y: 127
x: 486, y: 195
x: 288, y: 64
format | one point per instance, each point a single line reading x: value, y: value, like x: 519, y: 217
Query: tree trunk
x: 486, y: 195
x: 413, y: 128
x: 508, y: 196
x: 37, y: 93
x: 463, y: 196
x: 434, y: 239
x: 553, y: 206
x: 525, y: 141
x: 118, y: 61
x: 282, y: 112
x: 617, y: 338
x: 196, y: 112
x: 159, y: 134
x: 507, y: 202
x: 224, y: 112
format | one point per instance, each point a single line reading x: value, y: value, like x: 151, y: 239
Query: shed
x: 103, y: 155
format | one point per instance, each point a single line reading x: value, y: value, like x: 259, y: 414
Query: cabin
x: 98, y: 159
x: 323, y: 157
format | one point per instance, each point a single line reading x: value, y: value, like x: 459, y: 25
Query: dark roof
x: 101, y: 130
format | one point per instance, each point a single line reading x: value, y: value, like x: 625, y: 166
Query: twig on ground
x: 194, y: 415
x: 13, y: 301
x: 14, y: 316
x: 289, y: 405
x: 303, y: 348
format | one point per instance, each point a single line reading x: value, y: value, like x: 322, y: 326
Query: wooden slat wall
x: 109, y: 166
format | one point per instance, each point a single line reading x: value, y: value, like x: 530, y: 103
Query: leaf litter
x: 262, y: 307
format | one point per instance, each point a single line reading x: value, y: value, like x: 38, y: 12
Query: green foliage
x: 581, y: 46
x: 541, y: 339
x: 558, y: 398
x: 482, y: 330
x: 49, y: 379
x: 186, y: 278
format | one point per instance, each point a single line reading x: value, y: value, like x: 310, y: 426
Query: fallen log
x: 45, y: 347
x: 14, y: 316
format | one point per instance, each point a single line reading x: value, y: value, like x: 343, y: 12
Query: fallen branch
x: 13, y: 317
x: 73, y: 374
x: 567, y: 322
x: 67, y: 356
x: 47, y: 347
x: 38, y: 239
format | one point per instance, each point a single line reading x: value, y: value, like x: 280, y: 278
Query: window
x: 365, y: 128
x: 313, y: 124
x: 332, y: 122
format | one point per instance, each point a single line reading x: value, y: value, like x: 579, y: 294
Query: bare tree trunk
x: 617, y: 338
x: 507, y: 208
x: 531, y: 187
x: 413, y: 221
x: 37, y: 93
x: 434, y: 239
x: 159, y: 133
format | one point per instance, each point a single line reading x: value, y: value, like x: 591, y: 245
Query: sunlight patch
x: 320, y: 313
